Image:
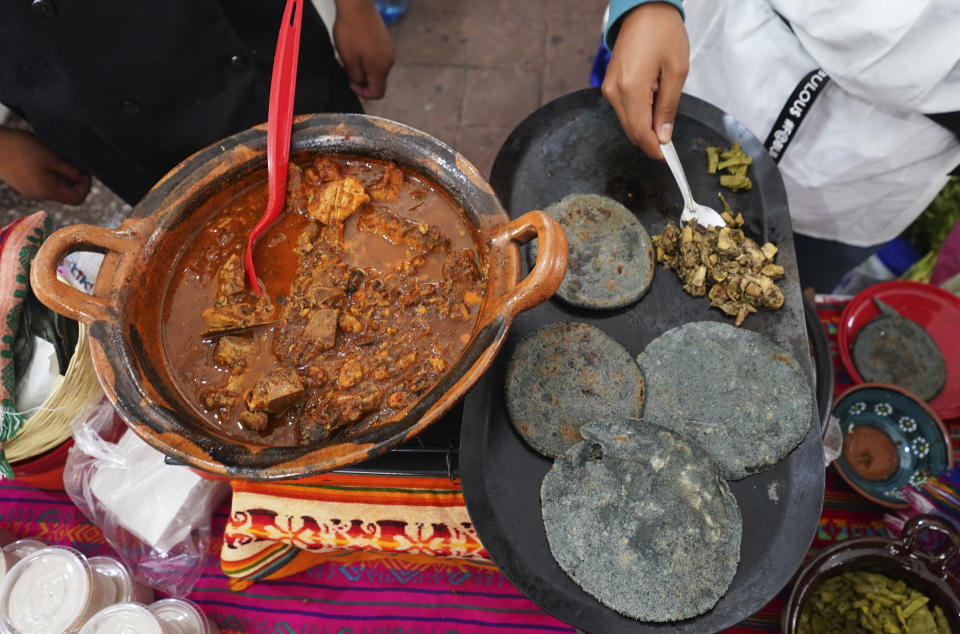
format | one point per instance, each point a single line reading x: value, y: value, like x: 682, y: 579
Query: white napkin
x: 147, y: 496
x: 41, y: 378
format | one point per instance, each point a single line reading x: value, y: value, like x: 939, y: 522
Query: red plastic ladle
x: 279, y: 124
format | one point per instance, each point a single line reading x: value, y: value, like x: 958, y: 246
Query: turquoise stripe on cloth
x: 620, y: 7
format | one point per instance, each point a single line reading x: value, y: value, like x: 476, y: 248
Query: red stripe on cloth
x: 355, y: 495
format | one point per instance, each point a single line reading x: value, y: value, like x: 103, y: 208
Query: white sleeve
x: 889, y: 52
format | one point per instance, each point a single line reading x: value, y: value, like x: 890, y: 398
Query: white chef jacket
x: 865, y: 161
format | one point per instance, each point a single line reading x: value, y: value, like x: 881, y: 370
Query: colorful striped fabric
x: 276, y: 529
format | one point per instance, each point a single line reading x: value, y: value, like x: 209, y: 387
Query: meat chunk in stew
x: 336, y: 201
x: 321, y: 329
x: 233, y: 353
x: 257, y: 421
x: 460, y: 277
x: 294, y: 197
x: 388, y: 187
x: 324, y: 170
x: 319, y: 294
x: 238, y: 316
x: 275, y: 391
x: 219, y: 398
x: 354, y: 405
x: 230, y: 276
x: 418, y: 237
x: 223, y: 397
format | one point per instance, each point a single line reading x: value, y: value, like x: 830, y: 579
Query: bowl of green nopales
x: 877, y: 584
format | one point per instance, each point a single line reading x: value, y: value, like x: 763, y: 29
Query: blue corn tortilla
x: 566, y: 374
x: 610, y: 262
x: 734, y: 391
x: 641, y: 519
x: 897, y: 350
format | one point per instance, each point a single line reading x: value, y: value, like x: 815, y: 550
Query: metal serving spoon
x: 692, y: 210
x: 279, y: 123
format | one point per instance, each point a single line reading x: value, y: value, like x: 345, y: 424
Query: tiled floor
x: 467, y: 72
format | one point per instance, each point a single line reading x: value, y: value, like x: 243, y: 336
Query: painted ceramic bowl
x: 890, y: 439
x: 927, y: 571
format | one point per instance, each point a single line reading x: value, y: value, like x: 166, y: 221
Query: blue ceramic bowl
x: 890, y: 439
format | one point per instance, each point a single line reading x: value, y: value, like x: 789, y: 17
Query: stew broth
x: 372, y: 285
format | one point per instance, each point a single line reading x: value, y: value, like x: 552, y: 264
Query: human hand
x: 365, y: 47
x: 36, y: 172
x: 646, y: 72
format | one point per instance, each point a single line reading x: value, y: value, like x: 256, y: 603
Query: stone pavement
x: 467, y: 72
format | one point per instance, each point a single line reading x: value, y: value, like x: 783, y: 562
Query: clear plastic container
x: 20, y: 548
x: 49, y: 591
x: 116, y: 582
x: 180, y: 616
x: 6, y: 537
x: 123, y: 618
x: 3, y: 567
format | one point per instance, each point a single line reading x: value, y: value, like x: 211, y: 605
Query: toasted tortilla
x: 610, y: 262
x: 564, y: 375
x: 897, y: 350
x: 734, y: 391
x: 642, y: 519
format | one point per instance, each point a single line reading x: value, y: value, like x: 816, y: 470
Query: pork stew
x: 372, y: 282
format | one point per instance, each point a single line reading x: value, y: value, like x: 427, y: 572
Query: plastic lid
x: 123, y: 618
x: 179, y: 616
x: 21, y: 548
x: 112, y: 579
x: 46, y: 592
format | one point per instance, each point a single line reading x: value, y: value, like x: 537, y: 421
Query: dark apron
x: 127, y: 89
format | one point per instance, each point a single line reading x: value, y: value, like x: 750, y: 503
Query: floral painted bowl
x: 890, y: 439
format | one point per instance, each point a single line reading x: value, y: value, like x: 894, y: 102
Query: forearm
x: 8, y: 152
x: 365, y: 47
x: 36, y: 172
x: 618, y: 9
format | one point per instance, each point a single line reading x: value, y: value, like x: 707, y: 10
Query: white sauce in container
x: 123, y: 618
x: 46, y: 592
x: 179, y: 616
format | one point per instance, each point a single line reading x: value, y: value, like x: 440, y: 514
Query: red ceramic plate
x: 933, y: 308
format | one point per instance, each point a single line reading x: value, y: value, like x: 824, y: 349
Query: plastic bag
x: 156, y: 516
x: 832, y: 441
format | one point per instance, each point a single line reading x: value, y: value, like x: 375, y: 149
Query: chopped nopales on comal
x: 722, y: 263
x: 734, y: 162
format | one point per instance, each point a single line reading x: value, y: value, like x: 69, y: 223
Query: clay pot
x: 123, y: 312
x: 901, y: 558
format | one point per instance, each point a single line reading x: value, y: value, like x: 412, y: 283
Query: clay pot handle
x: 548, y: 270
x: 60, y: 296
x: 937, y: 559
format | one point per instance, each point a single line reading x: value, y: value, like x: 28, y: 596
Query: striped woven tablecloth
x: 386, y: 555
